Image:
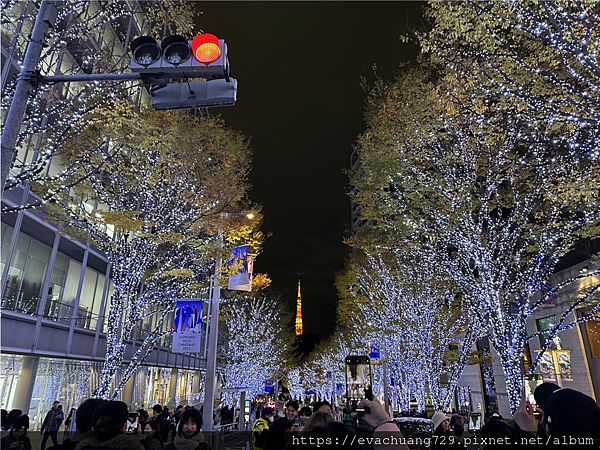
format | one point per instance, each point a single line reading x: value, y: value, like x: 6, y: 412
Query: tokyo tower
x: 299, y: 331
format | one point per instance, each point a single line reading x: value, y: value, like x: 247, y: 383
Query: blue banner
x: 186, y: 326
x: 374, y: 350
x: 269, y: 386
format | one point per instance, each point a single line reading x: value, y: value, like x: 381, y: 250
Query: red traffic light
x: 206, y: 48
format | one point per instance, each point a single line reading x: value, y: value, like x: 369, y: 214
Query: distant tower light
x: 299, y: 328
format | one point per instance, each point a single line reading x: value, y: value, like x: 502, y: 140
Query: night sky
x: 299, y: 67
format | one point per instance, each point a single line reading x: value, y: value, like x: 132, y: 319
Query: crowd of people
x: 108, y: 425
x: 560, y: 416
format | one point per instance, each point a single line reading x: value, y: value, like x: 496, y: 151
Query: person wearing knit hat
x: 438, y: 418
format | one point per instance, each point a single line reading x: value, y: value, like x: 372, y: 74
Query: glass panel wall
x: 25, y: 274
x: 7, y: 233
x: 90, y: 299
x: 69, y: 382
x: 10, y: 365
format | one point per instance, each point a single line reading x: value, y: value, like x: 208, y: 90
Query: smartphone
x: 359, y: 381
x: 475, y: 421
x: 132, y: 422
x: 297, y: 420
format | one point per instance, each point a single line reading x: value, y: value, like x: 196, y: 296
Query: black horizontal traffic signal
x: 176, y: 57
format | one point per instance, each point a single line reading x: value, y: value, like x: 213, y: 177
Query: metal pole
x: 211, y: 357
x: 25, y: 84
x: 242, y: 418
x: 386, y: 387
x: 90, y: 77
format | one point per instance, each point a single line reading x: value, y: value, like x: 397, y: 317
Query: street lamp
x: 211, y: 357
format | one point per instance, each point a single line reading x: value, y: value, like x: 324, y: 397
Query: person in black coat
x: 51, y: 424
x: 275, y: 439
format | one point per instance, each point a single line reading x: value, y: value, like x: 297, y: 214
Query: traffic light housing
x: 195, y: 94
x: 176, y: 58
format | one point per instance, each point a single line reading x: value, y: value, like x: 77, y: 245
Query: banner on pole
x: 269, y: 386
x: 186, y: 326
x: 563, y: 360
x: 374, y: 350
x: 340, y: 389
x: 547, y: 367
x: 243, y: 263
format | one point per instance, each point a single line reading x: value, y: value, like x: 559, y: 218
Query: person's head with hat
x: 268, y: 414
x: 571, y: 413
x: 441, y: 422
x: 542, y: 392
x: 109, y: 419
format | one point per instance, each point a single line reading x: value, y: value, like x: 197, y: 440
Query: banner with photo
x: 243, y: 264
x: 186, y: 326
x: 563, y: 360
x: 546, y: 365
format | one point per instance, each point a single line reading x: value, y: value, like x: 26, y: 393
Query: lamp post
x: 211, y: 357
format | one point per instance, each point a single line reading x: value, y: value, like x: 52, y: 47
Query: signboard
x: 269, y: 386
x: 339, y: 389
x: 563, y: 362
x: 186, y: 326
x: 242, y: 262
x: 328, y: 375
x: 546, y: 365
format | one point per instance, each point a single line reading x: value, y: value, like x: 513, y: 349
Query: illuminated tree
x: 83, y: 41
x: 542, y: 56
x: 255, y: 348
x: 154, y: 211
x: 417, y: 315
x: 445, y: 161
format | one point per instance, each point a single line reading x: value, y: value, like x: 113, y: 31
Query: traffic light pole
x: 25, y: 85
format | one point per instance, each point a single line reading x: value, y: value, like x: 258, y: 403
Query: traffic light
x: 195, y: 94
x: 176, y: 57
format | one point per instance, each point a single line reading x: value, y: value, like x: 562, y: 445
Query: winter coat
x: 121, y: 442
x: 259, y: 433
x: 53, y: 419
x: 276, y: 435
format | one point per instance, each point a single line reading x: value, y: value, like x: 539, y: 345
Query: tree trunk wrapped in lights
x: 154, y: 211
x: 253, y: 352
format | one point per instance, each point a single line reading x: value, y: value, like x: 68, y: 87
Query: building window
x: 90, y: 299
x: 592, y: 330
x: 63, y: 289
x: 546, y: 323
x: 25, y: 274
